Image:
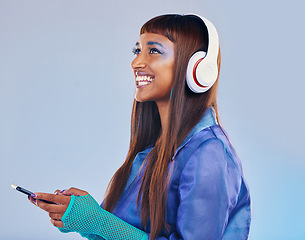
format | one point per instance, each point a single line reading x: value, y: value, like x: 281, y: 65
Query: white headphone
x: 202, y: 69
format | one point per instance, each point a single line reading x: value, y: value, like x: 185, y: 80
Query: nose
x: 139, y: 62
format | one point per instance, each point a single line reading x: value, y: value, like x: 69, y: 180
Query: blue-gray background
x: 66, y: 91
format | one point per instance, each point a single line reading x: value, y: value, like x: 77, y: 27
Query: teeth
x: 144, y: 80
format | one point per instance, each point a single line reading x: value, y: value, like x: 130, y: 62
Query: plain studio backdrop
x: 66, y: 91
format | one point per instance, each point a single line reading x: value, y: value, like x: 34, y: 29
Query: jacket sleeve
x: 209, y: 187
x: 85, y: 216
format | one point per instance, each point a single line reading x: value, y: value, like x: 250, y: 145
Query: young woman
x: 182, y: 178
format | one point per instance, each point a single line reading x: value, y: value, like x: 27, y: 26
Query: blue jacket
x: 207, y: 194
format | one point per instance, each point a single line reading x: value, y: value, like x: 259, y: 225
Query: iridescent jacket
x: 208, y: 197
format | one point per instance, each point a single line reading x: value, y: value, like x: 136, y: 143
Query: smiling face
x: 153, y: 68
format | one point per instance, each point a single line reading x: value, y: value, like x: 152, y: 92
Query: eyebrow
x: 150, y: 43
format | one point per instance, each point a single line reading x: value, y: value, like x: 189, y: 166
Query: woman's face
x: 153, y: 68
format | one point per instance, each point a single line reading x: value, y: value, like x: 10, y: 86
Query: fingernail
x: 62, y: 191
x: 56, y: 193
x: 33, y: 195
x: 29, y: 197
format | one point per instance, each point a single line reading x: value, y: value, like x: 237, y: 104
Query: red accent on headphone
x: 194, y: 73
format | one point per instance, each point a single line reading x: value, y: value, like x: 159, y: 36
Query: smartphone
x: 27, y: 192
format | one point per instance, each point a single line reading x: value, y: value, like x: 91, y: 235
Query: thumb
x: 74, y: 191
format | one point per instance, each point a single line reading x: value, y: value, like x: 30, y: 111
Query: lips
x: 142, y: 80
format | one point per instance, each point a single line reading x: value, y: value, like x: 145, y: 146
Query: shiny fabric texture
x: 208, y: 197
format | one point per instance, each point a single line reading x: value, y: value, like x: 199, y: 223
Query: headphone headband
x: 213, y: 47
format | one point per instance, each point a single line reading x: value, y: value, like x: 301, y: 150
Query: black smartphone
x: 27, y: 192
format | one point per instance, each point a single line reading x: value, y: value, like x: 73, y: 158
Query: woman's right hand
x: 62, y: 200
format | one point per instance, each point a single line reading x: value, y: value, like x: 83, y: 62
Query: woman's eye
x: 154, y: 51
x: 136, y: 51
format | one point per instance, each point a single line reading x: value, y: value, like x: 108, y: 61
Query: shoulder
x: 207, y: 144
x: 209, y: 155
x: 211, y: 161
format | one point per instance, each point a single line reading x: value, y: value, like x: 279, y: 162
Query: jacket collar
x: 208, y: 120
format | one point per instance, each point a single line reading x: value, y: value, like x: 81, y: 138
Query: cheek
x: 167, y: 74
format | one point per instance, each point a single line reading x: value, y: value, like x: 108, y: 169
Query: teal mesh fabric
x: 92, y: 237
x: 85, y: 216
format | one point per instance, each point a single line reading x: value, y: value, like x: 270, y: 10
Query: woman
x: 182, y: 178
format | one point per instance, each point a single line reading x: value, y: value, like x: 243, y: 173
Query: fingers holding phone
x: 55, y: 211
x: 55, y: 204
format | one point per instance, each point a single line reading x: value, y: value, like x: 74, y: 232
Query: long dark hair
x: 189, y: 34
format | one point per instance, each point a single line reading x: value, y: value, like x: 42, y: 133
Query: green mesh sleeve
x: 85, y: 216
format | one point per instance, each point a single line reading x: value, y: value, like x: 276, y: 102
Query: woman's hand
x: 62, y: 200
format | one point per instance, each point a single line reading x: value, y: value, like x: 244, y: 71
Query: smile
x: 143, y: 81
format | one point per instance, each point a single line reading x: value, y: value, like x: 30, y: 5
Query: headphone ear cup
x: 191, y: 78
x: 201, y: 73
